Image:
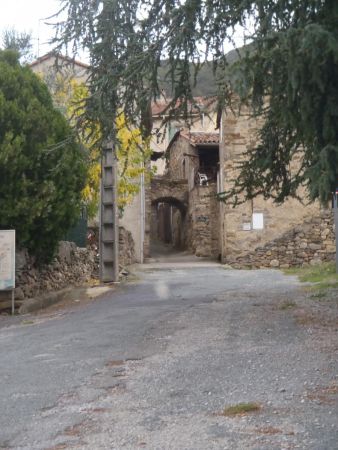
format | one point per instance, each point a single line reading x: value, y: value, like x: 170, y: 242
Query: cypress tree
x: 42, y: 168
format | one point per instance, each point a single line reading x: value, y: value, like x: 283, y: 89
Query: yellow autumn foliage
x: 132, y: 151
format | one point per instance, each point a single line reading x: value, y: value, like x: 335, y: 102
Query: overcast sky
x: 29, y: 15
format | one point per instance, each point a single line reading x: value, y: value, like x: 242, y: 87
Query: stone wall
x: 178, y: 229
x: 126, y: 248
x: 310, y: 242
x: 238, y: 135
x: 180, y: 166
x: 72, y: 266
x: 203, y: 221
x: 166, y: 189
x: 147, y: 220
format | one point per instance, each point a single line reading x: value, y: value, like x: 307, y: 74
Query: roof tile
x: 199, y: 137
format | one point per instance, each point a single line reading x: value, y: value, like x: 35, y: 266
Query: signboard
x: 257, y: 221
x: 7, y: 259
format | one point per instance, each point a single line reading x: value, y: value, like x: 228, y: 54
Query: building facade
x: 192, y: 174
x: 259, y: 223
x: 256, y: 233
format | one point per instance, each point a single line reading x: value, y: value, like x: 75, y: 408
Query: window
x: 257, y: 221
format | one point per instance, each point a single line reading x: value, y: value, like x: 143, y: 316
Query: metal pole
x: 142, y: 205
x: 335, y: 208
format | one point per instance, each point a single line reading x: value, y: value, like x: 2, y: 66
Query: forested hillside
x: 206, y: 83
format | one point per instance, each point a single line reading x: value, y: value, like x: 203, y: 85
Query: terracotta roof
x: 195, y: 138
x: 158, y: 107
x: 66, y: 59
x: 201, y: 138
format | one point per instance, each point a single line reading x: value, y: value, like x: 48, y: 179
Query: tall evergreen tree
x: 288, y: 74
x: 42, y: 168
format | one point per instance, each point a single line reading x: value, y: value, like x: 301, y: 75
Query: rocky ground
x: 154, y: 365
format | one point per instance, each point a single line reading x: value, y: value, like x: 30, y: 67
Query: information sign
x: 7, y: 259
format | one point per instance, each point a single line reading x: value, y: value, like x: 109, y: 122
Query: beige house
x: 60, y: 69
x: 51, y: 64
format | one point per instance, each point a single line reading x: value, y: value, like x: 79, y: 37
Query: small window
x: 257, y: 221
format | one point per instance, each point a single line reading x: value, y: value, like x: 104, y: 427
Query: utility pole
x: 142, y: 213
x: 109, y: 227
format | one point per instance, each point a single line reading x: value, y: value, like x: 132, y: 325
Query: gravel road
x: 154, y: 364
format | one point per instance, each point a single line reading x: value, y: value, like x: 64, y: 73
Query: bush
x: 42, y: 168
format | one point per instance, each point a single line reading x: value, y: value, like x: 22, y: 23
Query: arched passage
x: 168, y: 223
x: 169, y: 206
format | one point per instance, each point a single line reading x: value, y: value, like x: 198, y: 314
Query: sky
x: 29, y: 15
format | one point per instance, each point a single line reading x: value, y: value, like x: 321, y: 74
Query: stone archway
x: 165, y: 188
x: 169, y: 222
x: 168, y: 212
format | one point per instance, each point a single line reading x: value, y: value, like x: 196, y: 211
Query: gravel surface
x: 154, y: 365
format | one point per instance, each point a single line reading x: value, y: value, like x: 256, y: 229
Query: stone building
x: 259, y: 232
x: 185, y: 211
x: 202, y: 118
x: 192, y: 166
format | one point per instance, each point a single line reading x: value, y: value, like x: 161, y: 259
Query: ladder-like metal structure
x: 109, y: 227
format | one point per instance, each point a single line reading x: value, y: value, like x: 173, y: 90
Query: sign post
x: 335, y: 210
x: 7, y: 262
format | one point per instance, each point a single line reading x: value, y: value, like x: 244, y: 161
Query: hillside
x: 206, y: 83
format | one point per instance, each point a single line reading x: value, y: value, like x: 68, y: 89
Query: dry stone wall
x: 126, y: 248
x: 203, y: 225
x: 239, y: 135
x: 72, y: 266
x: 310, y: 242
x: 164, y: 188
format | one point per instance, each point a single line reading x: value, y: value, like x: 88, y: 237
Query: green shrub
x: 42, y: 168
